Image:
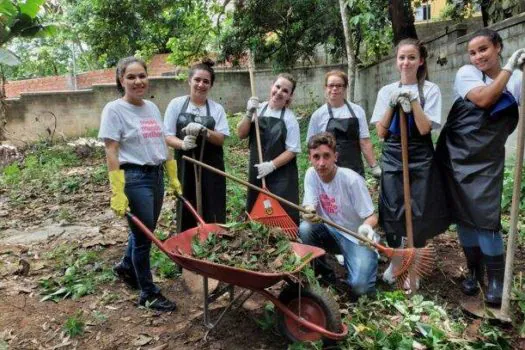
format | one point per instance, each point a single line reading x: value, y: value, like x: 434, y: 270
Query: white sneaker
x: 388, y: 275
x: 406, y: 284
x: 340, y: 259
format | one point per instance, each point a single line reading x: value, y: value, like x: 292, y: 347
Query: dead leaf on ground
x: 142, y: 340
x: 471, y: 331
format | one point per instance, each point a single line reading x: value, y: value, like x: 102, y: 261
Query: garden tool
x: 418, y: 260
x: 514, y: 211
x: 406, y: 194
x: 267, y: 210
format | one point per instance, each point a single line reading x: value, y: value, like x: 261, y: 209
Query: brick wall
x: 157, y: 67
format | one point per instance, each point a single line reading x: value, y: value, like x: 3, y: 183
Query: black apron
x: 471, y: 155
x: 284, y: 181
x: 346, y: 132
x: 429, y: 212
x: 213, y: 185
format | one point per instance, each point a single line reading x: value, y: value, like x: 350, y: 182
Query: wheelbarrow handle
x: 367, y: 241
x: 190, y: 207
x: 146, y: 231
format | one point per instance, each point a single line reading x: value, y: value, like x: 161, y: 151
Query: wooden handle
x: 514, y: 209
x: 285, y: 201
x: 251, y: 65
x: 406, y: 179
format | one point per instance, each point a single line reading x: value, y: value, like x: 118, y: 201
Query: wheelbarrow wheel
x: 317, y: 306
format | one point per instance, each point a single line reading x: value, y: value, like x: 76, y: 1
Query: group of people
x: 458, y: 182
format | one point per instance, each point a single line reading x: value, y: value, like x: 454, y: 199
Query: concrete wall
x: 34, y: 115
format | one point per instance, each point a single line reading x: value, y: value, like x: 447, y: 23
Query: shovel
x: 514, y: 211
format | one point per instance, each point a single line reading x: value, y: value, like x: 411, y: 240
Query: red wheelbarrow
x: 304, y: 313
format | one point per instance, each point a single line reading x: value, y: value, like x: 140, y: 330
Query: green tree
x: 17, y: 19
x: 283, y: 33
x: 491, y: 11
x: 115, y: 29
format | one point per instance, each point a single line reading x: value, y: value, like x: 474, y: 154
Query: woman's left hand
x: 264, y: 169
x: 193, y: 129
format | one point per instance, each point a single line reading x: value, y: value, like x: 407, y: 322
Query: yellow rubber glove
x: 119, y: 201
x: 173, y: 180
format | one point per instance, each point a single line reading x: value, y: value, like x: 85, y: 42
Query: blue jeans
x: 490, y: 242
x: 360, y: 261
x: 145, y: 192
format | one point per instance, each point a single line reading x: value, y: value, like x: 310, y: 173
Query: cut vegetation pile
x: 249, y: 246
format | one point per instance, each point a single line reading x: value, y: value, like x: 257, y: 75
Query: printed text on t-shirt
x: 149, y: 128
x: 328, y: 203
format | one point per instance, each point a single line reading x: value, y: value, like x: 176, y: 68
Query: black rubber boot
x: 495, y: 273
x: 474, y: 257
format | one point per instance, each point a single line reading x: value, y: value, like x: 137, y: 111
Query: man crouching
x: 341, y: 195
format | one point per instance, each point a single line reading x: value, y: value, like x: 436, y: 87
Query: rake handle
x: 254, y: 116
x: 288, y: 203
x: 406, y: 193
x: 406, y: 179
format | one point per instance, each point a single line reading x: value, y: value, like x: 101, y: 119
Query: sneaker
x: 340, y: 259
x: 126, y: 275
x: 157, y: 302
x: 388, y: 275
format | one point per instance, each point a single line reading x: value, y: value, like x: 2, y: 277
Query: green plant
x: 74, y: 325
x: 160, y: 262
x: 79, y: 272
x: 267, y: 321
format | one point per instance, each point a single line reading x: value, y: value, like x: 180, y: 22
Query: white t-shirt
x: 320, y: 118
x: 138, y: 129
x: 293, y: 141
x: 344, y: 200
x: 432, y: 101
x: 469, y: 77
x: 175, y: 108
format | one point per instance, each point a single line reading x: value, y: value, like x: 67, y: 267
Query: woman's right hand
x: 119, y: 202
x: 252, y: 105
x: 189, y: 142
x: 394, y: 96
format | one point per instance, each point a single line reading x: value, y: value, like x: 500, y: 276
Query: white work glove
x: 312, y: 216
x: 264, y: 169
x: 376, y: 171
x: 189, y: 142
x: 193, y: 129
x: 515, y: 61
x: 367, y: 231
x: 394, y: 95
x: 405, y: 99
x: 252, y: 105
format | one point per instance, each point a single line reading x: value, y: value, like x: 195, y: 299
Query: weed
x: 65, y: 214
x: 91, y: 133
x: 99, y: 316
x: 160, y: 262
x: 79, y: 274
x: 267, y: 321
x: 74, y: 325
x: 99, y: 176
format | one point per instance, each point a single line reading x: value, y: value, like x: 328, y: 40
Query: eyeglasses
x: 336, y: 86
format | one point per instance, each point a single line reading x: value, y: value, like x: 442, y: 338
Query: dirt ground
x: 28, y: 232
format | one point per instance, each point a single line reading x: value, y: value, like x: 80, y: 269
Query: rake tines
x: 406, y: 260
x: 284, y: 222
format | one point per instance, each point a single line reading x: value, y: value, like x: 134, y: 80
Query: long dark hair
x: 490, y: 34
x: 206, y: 64
x: 422, y: 70
x: 122, y: 65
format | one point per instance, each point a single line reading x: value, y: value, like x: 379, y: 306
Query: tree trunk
x: 402, y: 16
x: 349, y: 51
